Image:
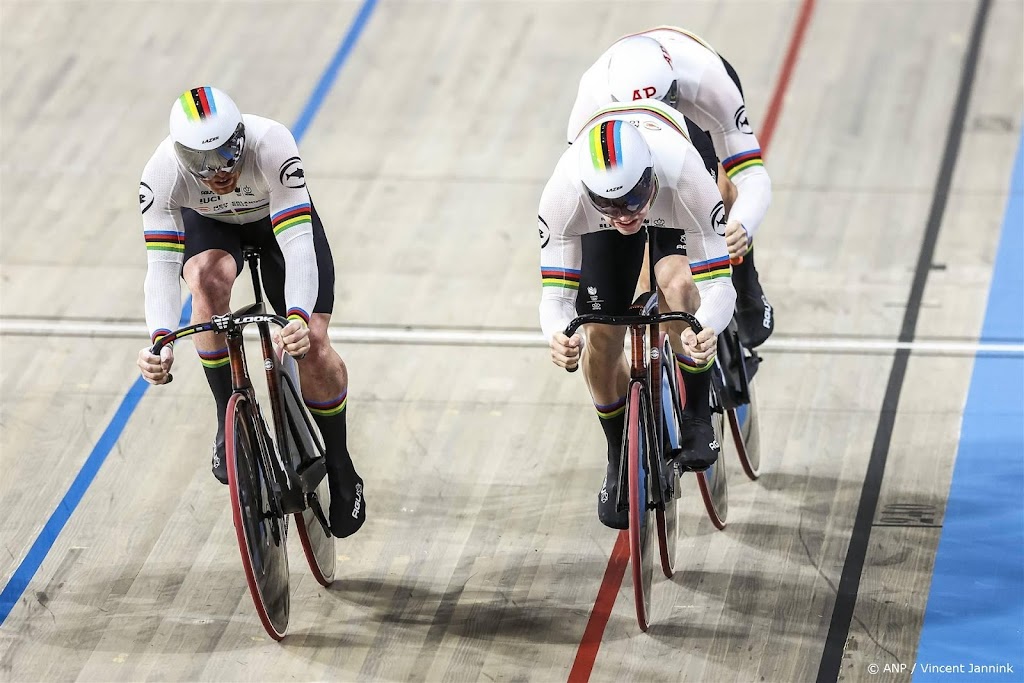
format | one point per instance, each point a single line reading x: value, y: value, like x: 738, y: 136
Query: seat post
x: 252, y: 257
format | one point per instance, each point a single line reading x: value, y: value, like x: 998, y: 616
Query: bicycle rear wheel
x: 641, y: 526
x: 317, y: 542
x: 261, y: 535
x: 746, y: 433
x: 714, y: 488
x: 667, y: 512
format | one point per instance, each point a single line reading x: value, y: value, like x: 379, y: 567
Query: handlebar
x: 630, y: 320
x: 219, y: 323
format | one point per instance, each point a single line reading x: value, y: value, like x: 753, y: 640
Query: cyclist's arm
x: 164, y: 235
x: 720, y: 110
x: 701, y: 214
x: 561, y: 255
x: 277, y: 158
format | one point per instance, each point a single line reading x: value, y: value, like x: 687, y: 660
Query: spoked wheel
x: 317, y: 542
x: 667, y: 513
x: 261, y: 534
x: 641, y: 522
x: 713, y: 486
x: 746, y: 434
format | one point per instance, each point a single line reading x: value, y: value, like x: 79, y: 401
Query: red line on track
x: 590, y: 643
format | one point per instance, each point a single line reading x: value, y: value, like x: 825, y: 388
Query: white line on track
x: 469, y: 337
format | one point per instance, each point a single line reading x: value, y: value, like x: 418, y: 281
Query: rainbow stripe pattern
x: 687, y: 364
x: 289, y: 218
x: 741, y: 162
x: 612, y: 410
x: 634, y: 108
x: 214, y: 359
x: 198, y: 103
x: 296, y: 313
x: 162, y: 332
x: 606, y: 145
x: 165, y: 240
x: 709, y: 270
x: 560, y: 277
x: 330, y: 407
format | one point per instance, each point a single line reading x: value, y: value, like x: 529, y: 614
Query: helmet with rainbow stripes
x: 617, y: 168
x: 207, y: 130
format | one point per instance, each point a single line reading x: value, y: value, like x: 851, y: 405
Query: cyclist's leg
x: 213, y: 259
x: 608, y: 274
x: 699, y: 447
x: 323, y: 377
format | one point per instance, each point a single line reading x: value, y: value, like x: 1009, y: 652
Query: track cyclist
x: 683, y: 71
x: 630, y: 172
x: 222, y: 179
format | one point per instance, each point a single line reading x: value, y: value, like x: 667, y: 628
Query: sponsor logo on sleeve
x: 718, y: 218
x: 292, y: 174
x: 545, y: 232
x: 742, y: 124
x: 145, y: 197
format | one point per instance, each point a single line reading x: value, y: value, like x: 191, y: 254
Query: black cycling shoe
x: 219, y: 461
x: 606, y: 511
x: 348, y: 507
x: 700, y: 447
x: 755, y: 317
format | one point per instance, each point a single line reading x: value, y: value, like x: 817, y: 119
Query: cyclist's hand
x: 155, y: 369
x: 736, y: 239
x: 565, y: 351
x: 700, y: 347
x: 294, y: 337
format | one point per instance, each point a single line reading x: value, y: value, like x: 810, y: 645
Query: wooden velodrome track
x: 428, y: 130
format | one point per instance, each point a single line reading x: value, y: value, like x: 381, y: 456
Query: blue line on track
x: 19, y: 581
x: 975, y: 612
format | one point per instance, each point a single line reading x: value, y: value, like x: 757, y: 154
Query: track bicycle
x: 270, y: 478
x: 649, y: 486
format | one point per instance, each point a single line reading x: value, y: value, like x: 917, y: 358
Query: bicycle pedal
x: 311, y: 473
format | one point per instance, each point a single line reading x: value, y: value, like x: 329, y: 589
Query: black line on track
x: 849, y: 583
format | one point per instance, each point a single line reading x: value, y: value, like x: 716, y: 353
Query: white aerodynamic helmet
x: 640, y: 67
x: 617, y: 168
x: 207, y: 130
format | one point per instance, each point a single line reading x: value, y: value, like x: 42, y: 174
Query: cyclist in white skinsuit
x: 682, y: 70
x: 632, y: 172
x: 221, y: 181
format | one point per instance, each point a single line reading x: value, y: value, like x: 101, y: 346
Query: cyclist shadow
x: 477, y: 608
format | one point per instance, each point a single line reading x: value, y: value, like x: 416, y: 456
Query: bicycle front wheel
x: 641, y: 523
x: 746, y: 432
x: 261, y: 534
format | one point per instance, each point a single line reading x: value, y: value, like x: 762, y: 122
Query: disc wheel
x: 261, y: 535
x: 667, y: 513
x: 746, y: 434
x: 712, y: 482
x: 641, y: 522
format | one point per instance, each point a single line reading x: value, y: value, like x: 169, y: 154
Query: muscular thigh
x: 611, y: 264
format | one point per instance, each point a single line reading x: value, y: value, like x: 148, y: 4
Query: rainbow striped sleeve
x: 296, y: 313
x: 709, y: 270
x: 289, y: 218
x: 560, y: 277
x: 165, y: 240
x: 741, y: 162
